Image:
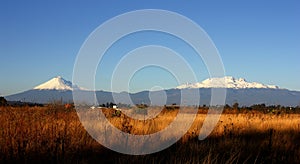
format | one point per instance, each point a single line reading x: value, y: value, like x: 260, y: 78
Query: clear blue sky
x: 257, y: 40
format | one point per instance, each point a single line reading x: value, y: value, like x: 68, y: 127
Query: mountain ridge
x: 57, y: 83
x: 226, y: 82
x: 60, y: 90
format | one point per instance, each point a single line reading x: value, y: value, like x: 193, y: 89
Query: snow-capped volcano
x: 239, y: 90
x: 57, y: 83
x: 227, y: 82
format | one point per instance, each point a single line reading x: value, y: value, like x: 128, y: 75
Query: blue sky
x: 257, y: 40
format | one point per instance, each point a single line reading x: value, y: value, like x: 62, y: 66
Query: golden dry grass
x: 54, y: 134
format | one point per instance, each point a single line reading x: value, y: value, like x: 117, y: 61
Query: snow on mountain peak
x: 226, y: 82
x: 57, y: 83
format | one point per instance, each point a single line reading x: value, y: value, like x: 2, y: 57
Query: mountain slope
x: 56, y: 89
x: 245, y: 93
x: 57, y: 83
x: 227, y: 82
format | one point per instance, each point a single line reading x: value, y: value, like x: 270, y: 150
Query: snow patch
x: 226, y: 82
x: 57, y: 83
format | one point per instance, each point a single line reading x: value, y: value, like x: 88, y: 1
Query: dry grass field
x: 54, y: 134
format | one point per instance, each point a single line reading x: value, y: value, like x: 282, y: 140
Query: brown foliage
x: 54, y: 134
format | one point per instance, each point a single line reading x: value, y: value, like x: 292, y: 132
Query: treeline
x: 234, y: 108
x: 111, y: 104
x: 263, y: 108
x: 4, y: 102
